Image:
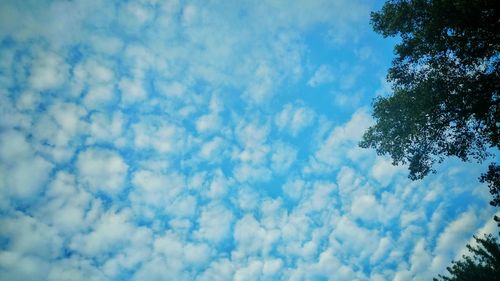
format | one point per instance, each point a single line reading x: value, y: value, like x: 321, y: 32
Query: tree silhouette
x: 445, y: 78
x: 482, y: 265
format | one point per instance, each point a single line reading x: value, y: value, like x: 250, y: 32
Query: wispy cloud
x: 167, y: 140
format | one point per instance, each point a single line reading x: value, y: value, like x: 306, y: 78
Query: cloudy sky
x: 211, y: 140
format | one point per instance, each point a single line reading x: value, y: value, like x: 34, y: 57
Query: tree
x: 492, y: 177
x: 445, y: 78
x: 484, y: 264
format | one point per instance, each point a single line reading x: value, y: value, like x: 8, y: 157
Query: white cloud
x: 420, y: 260
x: 61, y: 125
x: 347, y: 100
x: 23, y: 173
x: 57, y: 132
x: 134, y: 15
x: 323, y: 75
x: 74, y: 269
x: 218, y: 186
x: 105, y: 128
x: 218, y: 270
x: 181, y: 255
x: 183, y: 206
x: 318, y: 197
x: 174, y: 89
x: 384, y: 245
x: 14, y: 266
x: 29, y: 237
x: 109, y: 45
x: 249, y: 173
x: 248, y: 199
x: 294, y: 118
x: 27, y: 178
x: 113, y: 231
x: 254, y: 155
x: 171, y: 100
x: 383, y: 171
x: 159, y: 268
x: 29, y: 100
x: 354, y: 238
x: 197, y: 255
x: 252, y: 134
x: 332, y: 150
x: 252, y: 238
x: 154, y: 189
x: 251, y: 271
x: 261, y: 88
x: 48, y: 72
x: 98, y: 95
x: 456, y: 233
x: 132, y: 90
x: 208, y: 123
x: 284, y: 157
x: 160, y: 136
x: 67, y: 208
x: 294, y: 188
x: 102, y: 170
x: 366, y: 207
x: 211, y: 150
x: 214, y: 223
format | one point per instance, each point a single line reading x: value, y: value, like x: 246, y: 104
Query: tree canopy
x: 483, y: 263
x: 446, y: 80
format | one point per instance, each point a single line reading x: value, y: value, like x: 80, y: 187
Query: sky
x: 211, y: 140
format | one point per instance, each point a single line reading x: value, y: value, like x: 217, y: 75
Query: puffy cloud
x: 341, y: 141
x: 283, y: 157
x: 211, y: 149
x: 261, y: 87
x: 102, y: 170
x: 106, y: 128
x: 156, y: 190
x: 30, y: 237
x: 252, y: 238
x: 218, y: 270
x: 160, y: 140
x: 159, y: 269
x: 58, y: 132
x: 24, y: 173
x: 160, y: 136
x: 67, y: 117
x: 49, y: 71
x: 294, y: 118
x: 183, y: 206
x: 66, y: 207
x: 420, y: 260
x: 109, y: 232
x: 214, y: 223
x: 74, y: 269
x: 383, y: 171
x: 132, y: 90
x: 456, y: 233
x: 323, y: 74
x: 252, y: 134
x: 218, y: 186
x: 31, y: 247
x: 249, y: 173
x: 207, y: 123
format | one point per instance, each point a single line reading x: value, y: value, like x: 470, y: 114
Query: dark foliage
x: 492, y: 178
x: 482, y: 265
x: 446, y: 81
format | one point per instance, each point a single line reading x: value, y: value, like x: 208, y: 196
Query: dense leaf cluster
x: 446, y: 81
x: 483, y: 263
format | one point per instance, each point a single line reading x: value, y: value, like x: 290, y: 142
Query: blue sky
x: 211, y: 140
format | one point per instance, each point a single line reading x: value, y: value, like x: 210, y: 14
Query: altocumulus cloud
x: 194, y: 140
